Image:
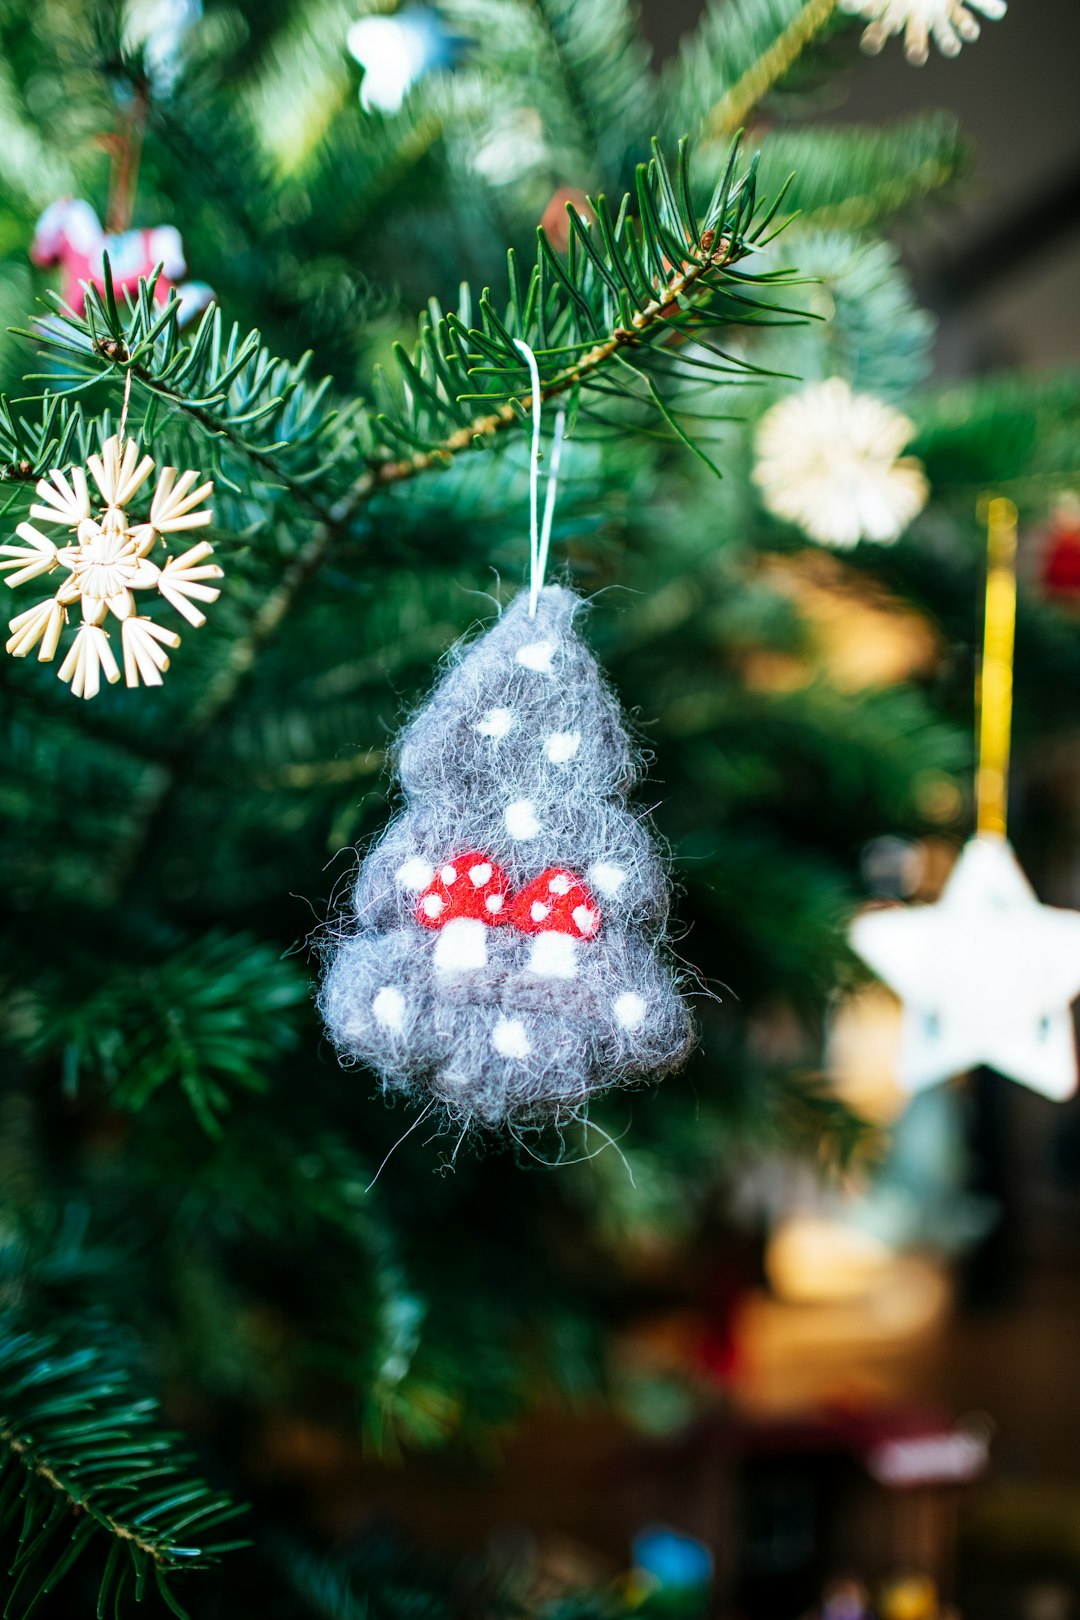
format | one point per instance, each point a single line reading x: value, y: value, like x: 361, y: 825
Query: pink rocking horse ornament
x: 69, y: 234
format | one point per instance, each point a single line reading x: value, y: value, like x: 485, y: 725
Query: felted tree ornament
x: 507, y: 958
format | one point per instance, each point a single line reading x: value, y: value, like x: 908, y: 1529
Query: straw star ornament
x: 949, y: 23
x: 105, y: 562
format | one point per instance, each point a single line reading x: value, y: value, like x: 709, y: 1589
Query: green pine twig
x: 82, y: 1460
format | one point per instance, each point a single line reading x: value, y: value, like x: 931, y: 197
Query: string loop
x: 540, y: 533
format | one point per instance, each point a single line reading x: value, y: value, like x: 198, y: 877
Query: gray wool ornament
x: 506, y: 958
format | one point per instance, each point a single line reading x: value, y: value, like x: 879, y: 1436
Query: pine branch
x: 212, y: 1013
x: 735, y: 107
x: 742, y: 50
x: 222, y: 125
x: 581, y: 65
x: 603, y: 65
x: 240, y: 397
x: 29, y: 449
x: 643, y: 285
x: 851, y: 178
x: 876, y: 335
x: 81, y: 1459
x: 1015, y: 433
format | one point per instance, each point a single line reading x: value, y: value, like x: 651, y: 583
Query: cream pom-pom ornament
x: 829, y: 461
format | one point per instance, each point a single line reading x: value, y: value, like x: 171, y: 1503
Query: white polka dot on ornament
x: 415, y: 874
x: 496, y: 723
x: 629, y: 1009
x: 389, y: 1008
x: 520, y: 819
x: 605, y: 877
x: 562, y: 746
x: 537, y: 655
x: 509, y: 1038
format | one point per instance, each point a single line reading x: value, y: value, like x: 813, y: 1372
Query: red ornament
x: 557, y: 902
x: 556, y: 222
x: 1061, y: 553
x: 467, y: 886
x: 69, y: 234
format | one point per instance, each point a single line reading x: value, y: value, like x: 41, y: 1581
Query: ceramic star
x: 986, y: 976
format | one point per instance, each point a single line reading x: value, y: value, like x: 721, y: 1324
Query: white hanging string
x: 549, y: 505
x: 540, y: 537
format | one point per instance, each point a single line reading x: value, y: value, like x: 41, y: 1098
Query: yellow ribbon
x: 994, y: 688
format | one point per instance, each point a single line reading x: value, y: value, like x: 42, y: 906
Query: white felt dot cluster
x: 553, y: 955
x: 509, y: 1036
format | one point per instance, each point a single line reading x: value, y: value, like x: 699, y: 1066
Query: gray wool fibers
x: 520, y: 761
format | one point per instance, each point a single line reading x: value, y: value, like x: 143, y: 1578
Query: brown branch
x: 734, y: 108
x: 381, y: 474
x: 113, y: 350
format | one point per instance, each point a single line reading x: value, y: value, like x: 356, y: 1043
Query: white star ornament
x: 986, y: 976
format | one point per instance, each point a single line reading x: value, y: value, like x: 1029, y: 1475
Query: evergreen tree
x: 185, y: 1171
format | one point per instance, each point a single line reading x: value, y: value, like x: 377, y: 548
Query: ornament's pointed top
x: 515, y: 707
x: 988, y: 873
x: 556, y: 608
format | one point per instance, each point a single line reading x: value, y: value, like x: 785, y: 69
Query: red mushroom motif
x: 556, y: 902
x: 467, y: 886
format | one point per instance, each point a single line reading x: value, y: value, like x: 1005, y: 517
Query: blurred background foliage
x: 186, y: 1208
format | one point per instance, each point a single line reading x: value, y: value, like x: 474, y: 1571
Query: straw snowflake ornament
x: 106, y: 561
x: 947, y: 22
